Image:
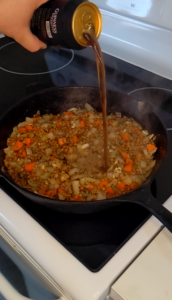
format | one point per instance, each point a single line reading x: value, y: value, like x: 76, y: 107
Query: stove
x: 82, y: 255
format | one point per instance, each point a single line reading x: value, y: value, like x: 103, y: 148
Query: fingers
x: 29, y: 41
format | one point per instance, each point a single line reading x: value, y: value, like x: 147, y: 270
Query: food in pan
x: 61, y: 156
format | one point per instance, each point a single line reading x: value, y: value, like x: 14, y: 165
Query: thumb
x: 29, y: 41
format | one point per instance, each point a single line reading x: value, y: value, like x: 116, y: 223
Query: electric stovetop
x: 94, y: 238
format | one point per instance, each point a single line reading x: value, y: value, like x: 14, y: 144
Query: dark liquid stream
x: 92, y: 40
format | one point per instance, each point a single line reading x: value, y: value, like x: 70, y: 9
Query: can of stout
x: 62, y: 22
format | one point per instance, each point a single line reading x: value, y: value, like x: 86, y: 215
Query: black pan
x: 58, y: 100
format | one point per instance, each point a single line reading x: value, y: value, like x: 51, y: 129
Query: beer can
x: 62, y: 22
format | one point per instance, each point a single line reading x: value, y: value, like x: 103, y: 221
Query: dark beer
x: 61, y: 22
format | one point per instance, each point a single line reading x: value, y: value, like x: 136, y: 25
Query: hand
x: 15, y: 17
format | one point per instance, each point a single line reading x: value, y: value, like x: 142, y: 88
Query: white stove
x: 134, y: 35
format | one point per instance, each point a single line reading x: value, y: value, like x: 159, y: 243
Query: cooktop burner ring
x: 48, y: 56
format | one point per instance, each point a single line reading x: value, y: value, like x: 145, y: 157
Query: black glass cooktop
x: 92, y: 238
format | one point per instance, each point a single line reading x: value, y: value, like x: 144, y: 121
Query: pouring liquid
x: 90, y: 36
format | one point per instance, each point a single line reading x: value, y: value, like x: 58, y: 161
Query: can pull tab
x: 87, y: 21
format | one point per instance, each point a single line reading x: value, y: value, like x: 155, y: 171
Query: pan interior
x: 56, y: 101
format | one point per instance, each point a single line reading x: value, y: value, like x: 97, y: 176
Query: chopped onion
x: 75, y: 186
x: 145, y: 132
x: 64, y: 177
x: 73, y: 171
x: 72, y: 109
x: 127, y: 179
x: 93, y: 130
x: 57, y: 164
x: 41, y: 121
x: 150, y: 136
x: 78, y: 176
x: 76, y: 123
x: 111, y: 135
x: 84, y: 146
x: 45, y: 125
x: 143, y: 164
x: 32, y: 182
x: 89, y: 198
x: 100, y: 196
x: 50, y: 136
x: 61, y: 197
x: 48, y: 151
x: 50, y: 169
x: 29, y: 120
x: 47, y: 117
x: 38, y: 172
x: 145, y: 152
x: 53, y: 181
x: 115, y: 124
x: 71, y: 157
x: 45, y: 176
x: 89, y: 107
x: 91, y: 118
x: 28, y: 151
x: 88, y: 179
x: 152, y: 164
x: 110, y: 175
x: 23, y: 124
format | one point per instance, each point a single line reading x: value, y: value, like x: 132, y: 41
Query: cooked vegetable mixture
x: 61, y: 156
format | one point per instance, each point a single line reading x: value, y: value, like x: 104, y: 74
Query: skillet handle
x: 156, y: 208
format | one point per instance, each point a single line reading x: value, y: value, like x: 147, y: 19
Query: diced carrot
x: 36, y: 118
x: 23, y: 154
x: 51, y: 193
x: 110, y: 190
x: 56, y: 117
x: 125, y: 137
x: 22, y: 129
x: 128, y: 161
x: 29, y: 166
x: 59, y: 123
x: 36, y: 128
x: 52, y: 158
x: 61, y: 141
x: 151, y: 147
x: 91, y: 187
x: 42, y: 192
x: 29, y: 127
x: 87, y: 124
x: 27, y: 141
x: 67, y: 113
x: 82, y: 124
x: 75, y: 138
x: 18, y: 145
x: 90, y: 113
x: 139, y: 155
x: 134, y: 185
x: 136, y: 130
x: 121, y: 185
x: 83, y: 118
x: 124, y: 155
x: 128, y: 168
x: 77, y: 198
x: 60, y: 191
x: 97, y: 123
x: 103, y: 183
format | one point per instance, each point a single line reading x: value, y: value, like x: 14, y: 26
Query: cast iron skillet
x: 58, y: 100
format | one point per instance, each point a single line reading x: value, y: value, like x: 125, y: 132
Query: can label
x: 53, y: 20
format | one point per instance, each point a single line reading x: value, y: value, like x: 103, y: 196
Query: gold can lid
x: 86, y: 15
